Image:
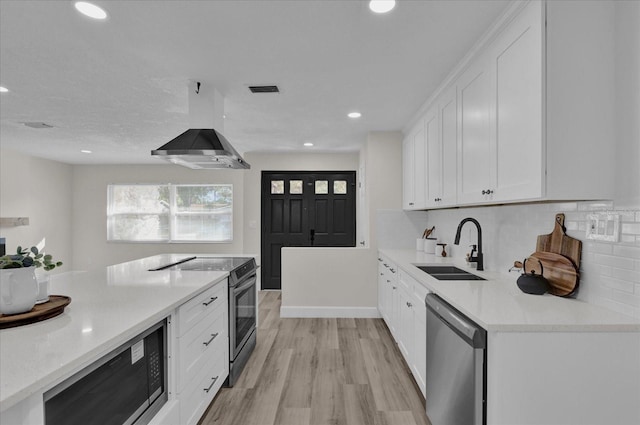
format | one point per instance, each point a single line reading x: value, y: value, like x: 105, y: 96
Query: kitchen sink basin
x: 449, y: 273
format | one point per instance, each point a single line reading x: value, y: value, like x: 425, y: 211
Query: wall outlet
x: 603, y: 227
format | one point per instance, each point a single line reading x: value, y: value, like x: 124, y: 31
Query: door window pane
x: 277, y: 187
x: 322, y: 187
x: 295, y: 187
x: 340, y: 187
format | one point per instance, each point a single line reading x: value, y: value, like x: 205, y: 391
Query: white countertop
x: 108, y: 308
x: 497, y: 304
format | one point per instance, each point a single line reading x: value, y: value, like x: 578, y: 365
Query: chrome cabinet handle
x: 409, y: 305
x: 394, y: 287
x: 388, y: 281
x: 381, y: 274
x: 213, y: 336
x: 212, y: 299
x: 206, y: 390
x: 393, y: 270
x: 487, y: 192
x: 410, y: 203
x: 386, y: 265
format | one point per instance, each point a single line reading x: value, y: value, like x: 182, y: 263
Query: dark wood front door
x: 304, y: 209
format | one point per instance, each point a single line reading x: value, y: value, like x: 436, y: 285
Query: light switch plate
x: 603, y: 227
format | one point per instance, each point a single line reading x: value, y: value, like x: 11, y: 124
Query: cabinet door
x: 517, y: 61
x: 420, y: 166
x: 448, y: 116
x: 434, y: 158
x: 405, y: 334
x: 420, y: 346
x: 408, y: 157
x: 476, y: 164
x: 381, y: 287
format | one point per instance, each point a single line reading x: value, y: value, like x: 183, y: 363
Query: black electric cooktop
x: 225, y: 264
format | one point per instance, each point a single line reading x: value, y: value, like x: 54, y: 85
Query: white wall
x: 90, y: 246
x: 40, y: 190
x: 328, y: 282
x: 282, y: 162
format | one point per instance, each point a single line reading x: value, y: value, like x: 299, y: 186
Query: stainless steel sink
x: 449, y: 273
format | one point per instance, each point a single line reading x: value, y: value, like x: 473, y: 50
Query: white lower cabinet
x: 202, y: 350
x: 388, y: 299
x: 410, y: 327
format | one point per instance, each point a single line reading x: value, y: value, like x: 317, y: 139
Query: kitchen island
x: 549, y: 360
x: 108, y: 308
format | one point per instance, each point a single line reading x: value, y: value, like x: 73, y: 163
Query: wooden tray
x: 44, y: 311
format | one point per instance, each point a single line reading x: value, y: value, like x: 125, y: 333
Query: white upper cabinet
x: 408, y: 162
x: 476, y: 160
x: 414, y: 169
x: 448, y: 119
x: 516, y: 61
x: 531, y: 111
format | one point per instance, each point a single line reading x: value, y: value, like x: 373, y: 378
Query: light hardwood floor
x: 317, y: 372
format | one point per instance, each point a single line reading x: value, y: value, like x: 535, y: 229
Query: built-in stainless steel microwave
x: 127, y: 386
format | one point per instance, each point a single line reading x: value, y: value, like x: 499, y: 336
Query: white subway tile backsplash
x: 628, y: 275
x: 618, y: 284
x: 608, y: 270
x: 627, y: 298
x: 627, y: 251
x: 631, y: 228
x: 597, y: 247
x: 613, y: 261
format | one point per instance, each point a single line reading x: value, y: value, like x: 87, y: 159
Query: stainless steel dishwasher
x: 456, y: 366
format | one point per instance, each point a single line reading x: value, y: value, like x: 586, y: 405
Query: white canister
x: 43, y: 287
x: 18, y: 290
x: 430, y: 245
x: 420, y: 244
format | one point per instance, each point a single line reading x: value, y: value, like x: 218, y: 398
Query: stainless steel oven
x: 242, y: 304
x: 242, y: 318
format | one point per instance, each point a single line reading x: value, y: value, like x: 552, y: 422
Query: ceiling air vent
x: 264, y: 89
x: 33, y: 124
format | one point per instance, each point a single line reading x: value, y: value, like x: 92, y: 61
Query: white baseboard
x: 331, y: 312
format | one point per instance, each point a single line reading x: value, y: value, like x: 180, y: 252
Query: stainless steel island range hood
x: 202, y: 147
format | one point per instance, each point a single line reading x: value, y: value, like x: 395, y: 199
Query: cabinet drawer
x: 195, y: 399
x: 199, y: 306
x: 200, y: 344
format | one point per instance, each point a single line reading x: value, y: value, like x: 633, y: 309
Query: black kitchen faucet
x: 478, y: 258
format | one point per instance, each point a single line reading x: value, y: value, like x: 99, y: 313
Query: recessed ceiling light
x: 382, y: 6
x: 354, y: 114
x: 308, y: 144
x: 3, y: 89
x: 90, y: 10
x: 85, y: 151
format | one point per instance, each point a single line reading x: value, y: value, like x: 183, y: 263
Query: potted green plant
x: 19, y: 287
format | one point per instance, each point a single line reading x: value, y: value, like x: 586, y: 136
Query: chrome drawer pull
x: 206, y: 390
x: 210, y: 301
x: 213, y: 336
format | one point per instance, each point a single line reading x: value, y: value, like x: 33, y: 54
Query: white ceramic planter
x: 18, y: 290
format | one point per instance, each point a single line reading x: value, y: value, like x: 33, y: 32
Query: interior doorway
x: 304, y: 208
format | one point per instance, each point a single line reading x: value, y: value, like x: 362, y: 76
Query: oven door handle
x: 252, y: 281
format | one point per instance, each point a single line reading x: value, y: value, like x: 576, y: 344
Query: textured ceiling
x: 119, y: 87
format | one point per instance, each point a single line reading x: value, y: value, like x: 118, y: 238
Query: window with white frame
x: 170, y: 213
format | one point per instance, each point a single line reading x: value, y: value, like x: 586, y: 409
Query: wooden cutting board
x: 559, y: 270
x: 558, y: 242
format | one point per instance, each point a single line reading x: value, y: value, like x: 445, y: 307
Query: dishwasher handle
x: 473, y: 334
